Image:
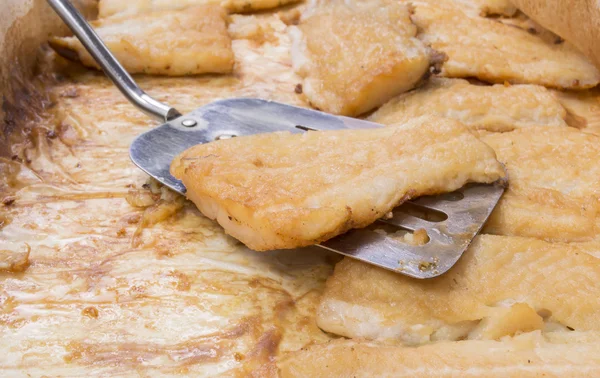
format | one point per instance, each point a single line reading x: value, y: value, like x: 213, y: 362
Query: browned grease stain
x: 114, y: 266
x: 14, y: 261
x: 131, y: 354
x: 91, y: 312
x: 29, y: 99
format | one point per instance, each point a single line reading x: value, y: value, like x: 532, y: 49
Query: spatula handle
x: 111, y: 66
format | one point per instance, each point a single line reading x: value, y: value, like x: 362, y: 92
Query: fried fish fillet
x: 108, y: 8
x: 501, y: 286
x: 173, y: 43
x: 493, y: 108
x: 244, y: 6
x: 583, y: 109
x: 527, y: 355
x: 481, y: 7
x: 282, y: 190
x: 492, y: 51
x: 349, y: 72
x: 554, y: 189
x: 492, y: 7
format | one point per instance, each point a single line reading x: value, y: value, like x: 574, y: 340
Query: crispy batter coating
x: 281, y: 190
x: 554, y: 184
x: 494, y: 108
x: 495, y: 52
x: 110, y: 8
x: 528, y: 355
x: 244, y: 6
x: 173, y: 43
x: 501, y: 286
x: 491, y: 7
x: 349, y: 72
x: 583, y: 109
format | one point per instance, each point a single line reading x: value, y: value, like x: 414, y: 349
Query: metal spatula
x: 465, y: 211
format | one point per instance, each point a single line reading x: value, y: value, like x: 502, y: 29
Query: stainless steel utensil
x: 466, y: 210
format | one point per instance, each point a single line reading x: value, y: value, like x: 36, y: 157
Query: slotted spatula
x: 466, y: 210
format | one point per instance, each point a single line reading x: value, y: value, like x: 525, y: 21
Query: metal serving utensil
x: 465, y: 210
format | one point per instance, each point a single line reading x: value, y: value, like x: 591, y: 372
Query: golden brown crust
x: 112, y: 8
x: 500, y: 286
x: 245, y: 6
x: 554, y: 180
x: 173, y: 43
x: 508, y: 54
x: 284, y: 190
x: 350, y: 73
x: 497, y: 108
x: 528, y: 355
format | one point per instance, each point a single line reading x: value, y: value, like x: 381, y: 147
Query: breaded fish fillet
x: 493, y: 108
x: 349, y: 72
x: 108, y: 8
x: 527, y: 355
x: 491, y: 7
x: 501, y: 286
x: 492, y: 51
x: 554, y: 189
x: 244, y: 6
x: 583, y: 109
x: 173, y: 43
x: 281, y: 190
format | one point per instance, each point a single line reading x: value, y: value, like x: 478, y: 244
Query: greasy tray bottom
x: 106, y: 291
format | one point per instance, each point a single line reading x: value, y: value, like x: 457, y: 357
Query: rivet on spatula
x: 189, y: 123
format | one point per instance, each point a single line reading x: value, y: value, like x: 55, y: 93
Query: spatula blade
x: 449, y: 239
x: 154, y: 150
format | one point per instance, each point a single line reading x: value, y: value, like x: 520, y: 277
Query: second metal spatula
x: 463, y: 213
